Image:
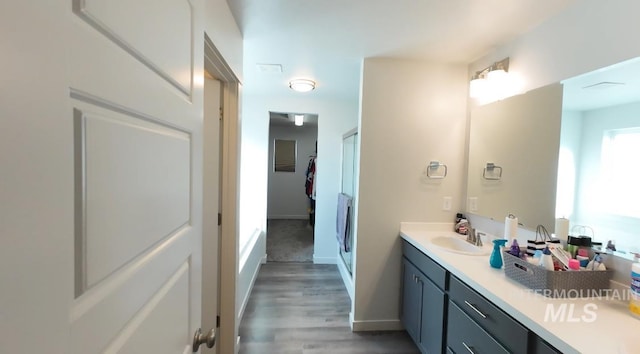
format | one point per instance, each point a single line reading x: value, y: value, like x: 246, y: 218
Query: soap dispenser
x: 496, y: 256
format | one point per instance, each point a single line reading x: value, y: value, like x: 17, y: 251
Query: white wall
x: 590, y: 34
x: 412, y: 112
x: 223, y: 31
x: 286, y: 195
x: 568, y: 163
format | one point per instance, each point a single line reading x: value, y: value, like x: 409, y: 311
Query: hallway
x: 299, y: 308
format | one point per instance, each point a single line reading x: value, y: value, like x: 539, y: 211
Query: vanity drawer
x: 505, y: 329
x: 465, y: 336
x: 428, y: 266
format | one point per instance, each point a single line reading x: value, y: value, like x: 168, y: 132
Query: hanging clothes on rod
x: 310, y: 188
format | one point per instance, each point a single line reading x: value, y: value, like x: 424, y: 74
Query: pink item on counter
x: 574, y: 264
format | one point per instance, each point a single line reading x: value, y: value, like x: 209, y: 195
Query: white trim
x: 229, y: 193
x: 264, y: 259
x: 245, y: 299
x: 352, y: 131
x: 347, y: 279
x: 248, y: 248
x: 381, y: 325
x: 324, y: 260
x: 288, y: 217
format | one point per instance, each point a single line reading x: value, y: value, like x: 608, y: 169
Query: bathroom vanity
x: 456, y: 303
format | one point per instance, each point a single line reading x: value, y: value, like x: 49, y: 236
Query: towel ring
x: 435, y: 166
x: 491, y: 168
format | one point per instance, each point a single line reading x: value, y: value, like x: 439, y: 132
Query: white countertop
x: 603, y: 326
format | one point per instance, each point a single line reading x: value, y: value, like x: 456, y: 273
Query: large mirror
x: 582, y: 163
x: 513, y: 157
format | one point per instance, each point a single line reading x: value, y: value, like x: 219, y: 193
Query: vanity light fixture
x: 492, y: 81
x: 302, y: 85
x: 298, y: 119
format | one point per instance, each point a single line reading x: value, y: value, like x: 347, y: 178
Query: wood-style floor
x: 297, y: 308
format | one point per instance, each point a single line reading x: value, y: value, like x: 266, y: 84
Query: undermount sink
x: 458, y: 245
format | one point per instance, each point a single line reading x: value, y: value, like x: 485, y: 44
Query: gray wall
x: 286, y: 198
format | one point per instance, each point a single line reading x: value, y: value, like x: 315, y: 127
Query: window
x: 620, y: 171
x: 284, y: 158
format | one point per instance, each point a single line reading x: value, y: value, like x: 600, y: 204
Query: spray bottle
x: 496, y: 256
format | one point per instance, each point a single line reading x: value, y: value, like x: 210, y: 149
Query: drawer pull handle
x: 475, y: 309
x: 468, y: 348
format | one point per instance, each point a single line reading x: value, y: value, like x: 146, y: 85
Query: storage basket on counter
x: 585, y: 283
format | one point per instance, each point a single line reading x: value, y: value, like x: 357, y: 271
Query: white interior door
x: 102, y: 201
x: 211, y: 205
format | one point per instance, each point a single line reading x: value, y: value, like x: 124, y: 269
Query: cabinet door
x: 542, y: 347
x: 411, y: 300
x: 433, y: 303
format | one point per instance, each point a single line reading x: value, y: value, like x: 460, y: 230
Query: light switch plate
x: 446, y: 203
x: 473, y: 203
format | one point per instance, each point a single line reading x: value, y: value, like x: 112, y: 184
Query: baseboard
x: 289, y: 217
x: 351, y: 318
x: 245, y: 298
x: 264, y: 259
x: 324, y: 260
x: 381, y: 325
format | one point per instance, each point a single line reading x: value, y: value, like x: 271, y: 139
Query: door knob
x: 209, y: 339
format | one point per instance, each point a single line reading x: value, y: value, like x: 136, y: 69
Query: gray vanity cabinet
x: 411, y: 300
x: 423, y: 302
x: 442, y: 314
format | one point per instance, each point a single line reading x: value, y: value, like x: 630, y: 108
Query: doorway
x: 220, y: 246
x: 291, y: 188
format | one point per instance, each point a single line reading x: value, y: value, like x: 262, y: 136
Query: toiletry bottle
x: 515, y: 248
x: 546, y: 261
x: 496, y: 256
x: 634, y: 301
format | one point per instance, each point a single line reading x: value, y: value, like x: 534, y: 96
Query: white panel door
x: 102, y: 177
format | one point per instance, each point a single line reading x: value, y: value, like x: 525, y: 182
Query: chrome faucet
x: 473, y: 237
x: 479, y: 239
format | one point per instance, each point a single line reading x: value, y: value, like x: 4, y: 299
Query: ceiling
x: 326, y: 40
x: 614, y: 85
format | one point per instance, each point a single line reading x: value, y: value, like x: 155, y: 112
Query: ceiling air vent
x: 603, y: 85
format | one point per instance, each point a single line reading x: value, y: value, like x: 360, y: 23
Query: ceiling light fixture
x: 492, y: 82
x: 302, y: 85
x: 298, y: 119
